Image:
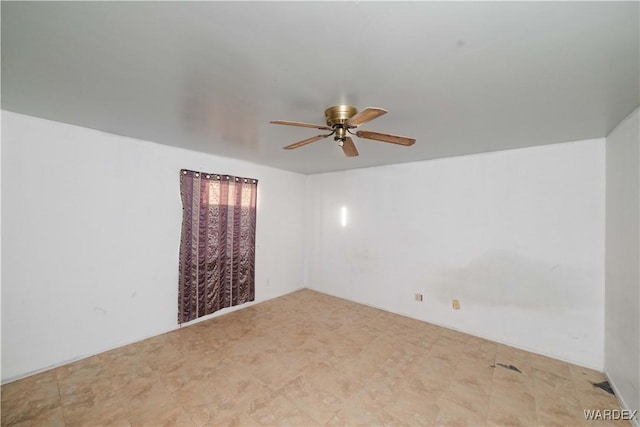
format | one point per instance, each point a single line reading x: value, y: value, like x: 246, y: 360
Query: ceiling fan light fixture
x: 340, y: 132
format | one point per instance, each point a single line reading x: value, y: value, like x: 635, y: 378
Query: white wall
x: 517, y: 236
x: 91, y: 232
x: 91, y: 225
x: 622, y: 297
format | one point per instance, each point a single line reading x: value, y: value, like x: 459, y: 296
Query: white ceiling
x: 460, y: 77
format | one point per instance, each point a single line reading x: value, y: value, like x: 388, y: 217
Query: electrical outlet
x: 418, y: 297
x: 456, y: 304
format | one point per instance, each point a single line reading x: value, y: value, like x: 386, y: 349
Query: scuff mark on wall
x: 100, y: 309
x: 505, y: 278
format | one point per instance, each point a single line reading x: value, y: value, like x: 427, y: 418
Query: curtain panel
x: 217, y: 247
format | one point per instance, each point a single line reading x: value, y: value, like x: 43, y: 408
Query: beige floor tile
x: 514, y: 356
x: 468, y: 397
x: 512, y: 408
x: 320, y: 404
x: 447, y: 350
x: 584, y: 378
x: 30, y: 399
x: 162, y: 416
x: 39, y: 386
x: 138, y: 390
x: 202, y: 413
x: 366, y: 408
x: 507, y: 417
x: 123, y: 376
x: 547, y: 383
x: 415, y: 407
x: 72, y: 393
x: 343, y: 383
x: 476, y: 373
x: 608, y: 423
x: 219, y: 412
x: 559, y: 410
x: 548, y: 364
x: 481, y: 350
x: 49, y: 418
x: 453, y: 414
x: 511, y: 382
x: 280, y: 411
x: 278, y: 369
x: 106, y: 412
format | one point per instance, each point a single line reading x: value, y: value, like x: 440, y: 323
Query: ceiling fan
x: 341, y: 119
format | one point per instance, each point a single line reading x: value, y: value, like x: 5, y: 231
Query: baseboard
x: 634, y: 421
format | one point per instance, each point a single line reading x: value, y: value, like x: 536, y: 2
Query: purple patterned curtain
x: 217, y: 248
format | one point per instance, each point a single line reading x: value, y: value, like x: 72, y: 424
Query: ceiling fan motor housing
x: 339, y: 114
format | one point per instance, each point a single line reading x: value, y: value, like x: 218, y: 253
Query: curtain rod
x: 218, y: 177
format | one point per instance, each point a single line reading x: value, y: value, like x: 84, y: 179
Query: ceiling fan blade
x: 301, y: 124
x: 349, y: 147
x: 366, y: 115
x: 305, y: 142
x: 385, y: 137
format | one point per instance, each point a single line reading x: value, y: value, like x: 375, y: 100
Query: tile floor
x: 308, y: 359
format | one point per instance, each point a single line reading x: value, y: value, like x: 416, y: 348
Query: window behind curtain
x: 217, y: 248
